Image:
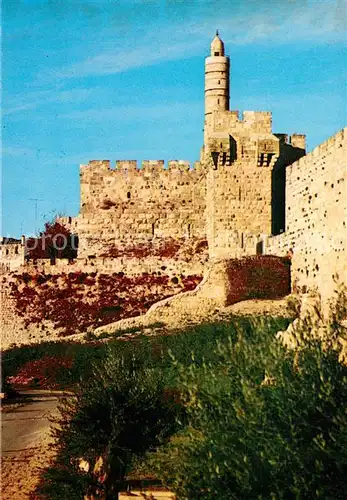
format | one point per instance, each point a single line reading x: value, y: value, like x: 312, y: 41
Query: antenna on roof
x: 217, y: 34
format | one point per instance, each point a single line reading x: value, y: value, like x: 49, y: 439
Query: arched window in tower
x: 189, y: 227
x: 153, y: 229
x: 128, y: 195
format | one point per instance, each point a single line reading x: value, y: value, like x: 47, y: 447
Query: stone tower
x: 245, y: 164
x: 217, y: 77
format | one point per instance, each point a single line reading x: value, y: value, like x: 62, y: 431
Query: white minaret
x: 217, y: 74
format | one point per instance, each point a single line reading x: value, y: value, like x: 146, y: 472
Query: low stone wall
x: 128, y: 266
x: 255, y: 277
x: 225, y: 282
x: 37, y: 306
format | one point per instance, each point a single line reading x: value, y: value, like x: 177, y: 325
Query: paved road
x: 26, y: 425
x: 25, y: 438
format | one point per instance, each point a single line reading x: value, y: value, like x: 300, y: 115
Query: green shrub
x: 118, y: 415
x: 261, y: 423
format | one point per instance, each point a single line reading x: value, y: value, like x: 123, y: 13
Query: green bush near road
x: 261, y: 423
x: 217, y: 411
x: 153, y: 350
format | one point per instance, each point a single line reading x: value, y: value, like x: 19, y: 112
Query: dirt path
x: 25, y: 440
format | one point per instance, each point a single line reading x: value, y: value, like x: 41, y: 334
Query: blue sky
x: 118, y: 79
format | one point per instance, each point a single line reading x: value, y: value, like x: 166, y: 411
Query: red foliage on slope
x: 258, y: 277
x: 43, y: 372
x: 75, y: 301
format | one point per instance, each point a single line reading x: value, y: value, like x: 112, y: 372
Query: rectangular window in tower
x: 216, y: 53
x: 261, y: 157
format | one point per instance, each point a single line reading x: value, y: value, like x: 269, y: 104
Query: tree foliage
x: 262, y: 423
x: 119, y: 414
x: 55, y: 242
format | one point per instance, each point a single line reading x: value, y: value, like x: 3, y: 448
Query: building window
x: 216, y: 53
x: 260, y: 248
x: 128, y: 195
x: 264, y: 159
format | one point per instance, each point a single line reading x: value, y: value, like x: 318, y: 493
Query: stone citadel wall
x: 128, y: 205
x: 128, y: 265
x: 239, y: 203
x: 245, y: 180
x: 11, y: 254
x: 316, y: 217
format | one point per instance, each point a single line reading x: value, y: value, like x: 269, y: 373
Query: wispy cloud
x: 16, y: 151
x: 132, y: 113
x: 322, y: 23
x: 35, y: 99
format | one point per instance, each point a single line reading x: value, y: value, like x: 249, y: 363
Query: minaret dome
x: 217, y: 74
x: 217, y: 46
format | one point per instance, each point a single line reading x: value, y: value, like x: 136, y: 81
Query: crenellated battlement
x: 235, y: 123
x: 249, y: 118
x: 334, y: 142
x: 147, y: 167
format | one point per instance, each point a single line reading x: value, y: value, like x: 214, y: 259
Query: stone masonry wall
x: 251, y: 122
x: 245, y: 180
x: 11, y: 255
x: 316, y: 217
x: 128, y: 205
x: 129, y: 266
x: 38, y: 306
x: 239, y: 208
